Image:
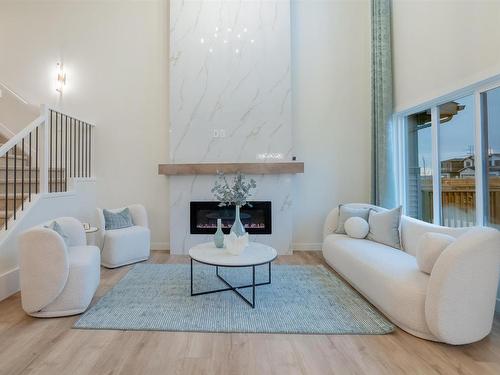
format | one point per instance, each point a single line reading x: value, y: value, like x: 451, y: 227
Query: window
x: 456, y: 154
x: 419, y: 191
x: 491, y: 129
x: 449, y: 158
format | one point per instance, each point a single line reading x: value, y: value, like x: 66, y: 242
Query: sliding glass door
x: 490, y: 102
x: 450, y: 158
x: 419, y: 192
x: 456, y: 155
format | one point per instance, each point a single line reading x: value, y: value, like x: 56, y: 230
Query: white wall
x: 330, y: 110
x: 442, y: 46
x: 14, y: 113
x: 115, y: 55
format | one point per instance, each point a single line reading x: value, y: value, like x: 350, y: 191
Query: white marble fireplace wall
x: 230, y: 102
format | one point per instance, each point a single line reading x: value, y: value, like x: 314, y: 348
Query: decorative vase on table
x: 219, y: 235
x: 238, y: 227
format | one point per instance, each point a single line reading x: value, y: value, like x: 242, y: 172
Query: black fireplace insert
x: 256, y: 219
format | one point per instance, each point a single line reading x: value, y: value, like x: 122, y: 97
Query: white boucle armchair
x: 120, y: 247
x: 57, y: 279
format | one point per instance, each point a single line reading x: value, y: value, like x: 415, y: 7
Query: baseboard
x: 9, y: 283
x: 306, y: 246
x: 165, y: 246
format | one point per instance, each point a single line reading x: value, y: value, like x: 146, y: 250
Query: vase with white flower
x: 236, y: 193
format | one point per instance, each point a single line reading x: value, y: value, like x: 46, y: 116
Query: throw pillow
x: 117, y: 220
x: 56, y: 227
x: 346, y: 212
x: 429, y: 248
x: 384, y: 227
x: 356, y: 227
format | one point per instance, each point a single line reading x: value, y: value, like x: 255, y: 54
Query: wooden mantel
x: 178, y: 169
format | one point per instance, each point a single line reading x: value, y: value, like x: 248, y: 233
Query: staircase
x: 13, y: 201
x: 42, y: 159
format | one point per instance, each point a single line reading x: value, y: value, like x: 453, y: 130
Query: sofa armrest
x: 330, y: 222
x: 44, y: 267
x: 139, y: 215
x: 461, y: 294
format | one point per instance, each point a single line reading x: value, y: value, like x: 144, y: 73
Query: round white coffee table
x: 255, y: 254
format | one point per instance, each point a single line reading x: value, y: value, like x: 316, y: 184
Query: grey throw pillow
x: 346, y: 212
x: 117, y: 220
x: 56, y: 227
x: 384, y: 227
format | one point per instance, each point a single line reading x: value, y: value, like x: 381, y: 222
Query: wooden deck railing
x: 458, y: 202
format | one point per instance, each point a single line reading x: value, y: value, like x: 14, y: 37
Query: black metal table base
x: 231, y: 287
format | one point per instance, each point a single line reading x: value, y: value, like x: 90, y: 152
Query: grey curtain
x: 383, y: 174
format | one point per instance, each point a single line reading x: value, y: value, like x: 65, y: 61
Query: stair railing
x: 70, y: 150
x: 67, y: 153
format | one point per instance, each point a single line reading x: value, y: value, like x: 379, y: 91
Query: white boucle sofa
x: 455, y: 304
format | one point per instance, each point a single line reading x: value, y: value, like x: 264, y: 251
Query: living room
x: 256, y: 186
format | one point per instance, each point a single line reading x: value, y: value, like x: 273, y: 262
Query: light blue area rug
x: 301, y: 299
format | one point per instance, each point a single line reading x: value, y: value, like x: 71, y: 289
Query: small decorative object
x: 86, y: 226
x: 236, y: 244
x: 219, y: 235
x: 237, y: 195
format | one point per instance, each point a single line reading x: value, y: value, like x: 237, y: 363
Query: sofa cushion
x: 56, y: 227
x: 388, y: 277
x: 430, y: 247
x: 330, y: 224
x: 117, y: 220
x: 384, y: 227
x: 346, y: 212
x: 411, y: 230
x: 125, y: 246
x: 356, y: 227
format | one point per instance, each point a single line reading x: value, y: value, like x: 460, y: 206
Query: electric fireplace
x: 256, y: 219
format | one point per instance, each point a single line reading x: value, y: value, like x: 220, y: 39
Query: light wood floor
x: 50, y: 346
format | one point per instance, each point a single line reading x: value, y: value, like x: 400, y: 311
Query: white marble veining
x: 230, y: 102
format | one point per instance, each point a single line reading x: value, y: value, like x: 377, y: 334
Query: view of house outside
x: 458, y: 168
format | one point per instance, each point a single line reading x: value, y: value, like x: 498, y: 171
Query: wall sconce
x: 61, y: 78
